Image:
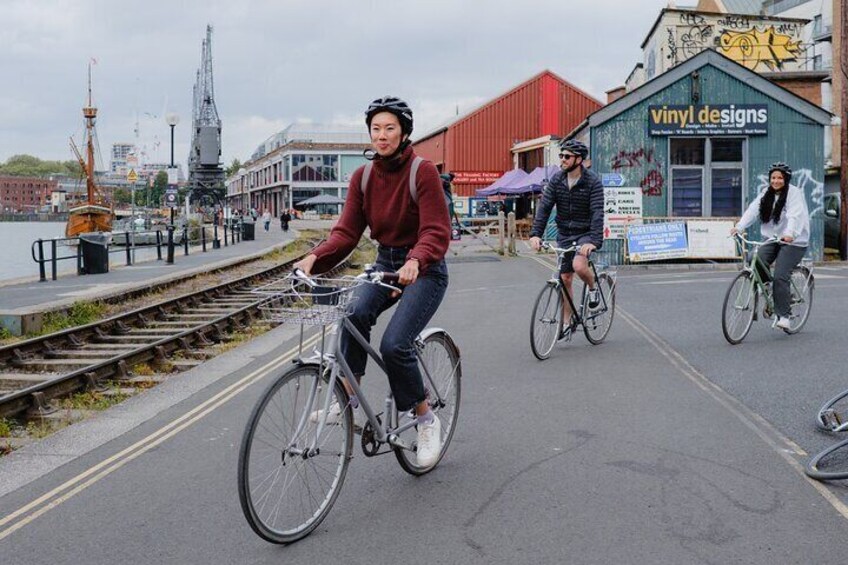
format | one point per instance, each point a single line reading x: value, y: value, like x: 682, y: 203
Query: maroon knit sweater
x: 395, y: 219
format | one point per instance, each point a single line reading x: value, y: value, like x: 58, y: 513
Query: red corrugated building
x: 476, y: 147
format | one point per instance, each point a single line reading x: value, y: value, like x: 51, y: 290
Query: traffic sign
x: 132, y: 176
x: 171, y: 198
x: 612, y: 179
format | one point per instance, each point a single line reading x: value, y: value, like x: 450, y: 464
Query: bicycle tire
x: 800, y: 305
x: 546, y: 321
x: 740, y: 304
x: 826, y: 408
x: 262, y: 460
x: 812, y: 467
x: 596, y: 325
x: 445, y: 367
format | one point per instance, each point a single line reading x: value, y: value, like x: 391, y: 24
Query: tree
x: 122, y: 196
x: 30, y: 166
x: 233, y: 168
x: 160, y: 183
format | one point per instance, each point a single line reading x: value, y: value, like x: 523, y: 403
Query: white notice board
x: 709, y: 239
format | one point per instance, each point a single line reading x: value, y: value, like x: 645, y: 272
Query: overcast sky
x: 276, y: 62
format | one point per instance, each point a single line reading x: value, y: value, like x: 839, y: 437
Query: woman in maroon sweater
x: 413, y: 236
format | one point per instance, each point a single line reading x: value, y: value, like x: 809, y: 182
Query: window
x: 706, y: 176
x: 316, y: 168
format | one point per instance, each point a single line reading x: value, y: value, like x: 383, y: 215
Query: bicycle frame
x: 754, y: 265
x: 557, y: 279
x: 339, y: 368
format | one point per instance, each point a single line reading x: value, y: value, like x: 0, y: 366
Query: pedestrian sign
x: 132, y: 176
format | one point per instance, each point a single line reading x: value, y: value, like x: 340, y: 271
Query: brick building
x: 25, y: 194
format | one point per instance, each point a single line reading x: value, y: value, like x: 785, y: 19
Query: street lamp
x: 172, y: 120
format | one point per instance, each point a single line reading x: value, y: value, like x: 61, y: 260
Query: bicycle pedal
x: 831, y: 418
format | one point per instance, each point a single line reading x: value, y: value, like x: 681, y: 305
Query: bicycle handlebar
x: 370, y: 276
x: 746, y: 241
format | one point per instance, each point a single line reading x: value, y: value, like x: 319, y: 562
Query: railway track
x: 36, y: 373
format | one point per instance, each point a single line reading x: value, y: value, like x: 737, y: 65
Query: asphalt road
x: 662, y: 445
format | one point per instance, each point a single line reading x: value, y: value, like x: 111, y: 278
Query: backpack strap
x: 366, y: 174
x: 413, y: 190
x: 413, y: 177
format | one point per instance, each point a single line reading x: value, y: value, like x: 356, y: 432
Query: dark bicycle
x: 546, y: 325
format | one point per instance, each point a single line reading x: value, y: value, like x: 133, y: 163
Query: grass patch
x: 142, y: 370
x: 95, y: 400
x: 6, y: 427
x: 39, y: 429
x: 79, y: 314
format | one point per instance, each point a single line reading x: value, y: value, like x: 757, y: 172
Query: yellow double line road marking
x: 74, y: 486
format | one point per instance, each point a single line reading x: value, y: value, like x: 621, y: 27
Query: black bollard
x: 53, y: 259
x: 203, y: 237
x: 170, y: 259
x: 42, y: 276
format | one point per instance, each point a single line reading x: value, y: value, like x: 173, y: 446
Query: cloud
x: 277, y: 61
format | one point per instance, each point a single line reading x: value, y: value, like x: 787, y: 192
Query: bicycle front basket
x: 294, y: 302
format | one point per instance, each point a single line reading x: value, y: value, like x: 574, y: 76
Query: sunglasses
x: 566, y: 156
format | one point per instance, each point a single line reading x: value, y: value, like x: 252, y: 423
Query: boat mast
x: 90, y: 114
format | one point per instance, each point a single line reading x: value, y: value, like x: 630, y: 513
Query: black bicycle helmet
x: 783, y: 168
x: 394, y: 105
x: 573, y: 146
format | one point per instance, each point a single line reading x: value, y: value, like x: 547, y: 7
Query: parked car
x: 831, y: 220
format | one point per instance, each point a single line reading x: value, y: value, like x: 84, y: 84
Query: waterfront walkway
x: 23, y: 300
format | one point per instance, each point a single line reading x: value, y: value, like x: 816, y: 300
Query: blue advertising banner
x: 650, y: 242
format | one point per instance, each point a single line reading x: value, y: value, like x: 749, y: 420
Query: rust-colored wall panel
x: 481, y: 141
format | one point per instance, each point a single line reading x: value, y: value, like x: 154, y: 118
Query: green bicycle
x: 741, y: 302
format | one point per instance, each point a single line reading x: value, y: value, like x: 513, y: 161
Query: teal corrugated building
x: 699, y: 138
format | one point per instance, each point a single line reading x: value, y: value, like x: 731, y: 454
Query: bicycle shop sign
x: 708, y: 119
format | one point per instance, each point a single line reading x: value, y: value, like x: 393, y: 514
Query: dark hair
x: 768, y: 209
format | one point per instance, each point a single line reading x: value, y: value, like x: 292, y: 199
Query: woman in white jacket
x: 782, y: 209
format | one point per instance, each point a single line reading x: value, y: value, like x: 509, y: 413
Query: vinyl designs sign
x: 708, y: 119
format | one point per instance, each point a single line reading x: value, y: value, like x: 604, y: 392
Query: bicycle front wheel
x: 441, y: 369
x: 546, y: 323
x: 801, y: 298
x: 598, y: 321
x: 740, y: 303
x: 286, y: 491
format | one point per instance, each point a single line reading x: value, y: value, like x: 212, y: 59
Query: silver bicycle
x: 293, y: 459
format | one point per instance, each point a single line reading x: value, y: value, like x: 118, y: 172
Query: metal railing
x: 51, y: 251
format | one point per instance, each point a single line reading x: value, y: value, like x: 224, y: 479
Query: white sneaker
x: 333, y: 417
x: 782, y: 323
x: 429, y: 443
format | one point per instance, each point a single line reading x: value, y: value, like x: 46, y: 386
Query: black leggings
x: 785, y: 258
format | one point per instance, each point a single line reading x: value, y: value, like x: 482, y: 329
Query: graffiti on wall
x: 803, y: 179
x: 653, y: 181
x: 755, y: 47
x: 758, y: 43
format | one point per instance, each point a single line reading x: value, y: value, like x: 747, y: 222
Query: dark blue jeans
x: 416, y: 306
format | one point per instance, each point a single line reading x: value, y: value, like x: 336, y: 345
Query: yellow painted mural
x: 753, y: 48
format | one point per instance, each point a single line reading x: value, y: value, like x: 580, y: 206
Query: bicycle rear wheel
x: 598, y: 321
x: 813, y: 468
x: 441, y: 369
x: 285, y: 494
x: 740, y: 303
x: 546, y: 323
x: 801, y: 298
